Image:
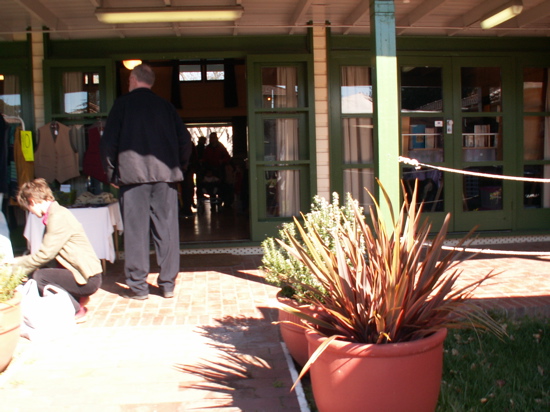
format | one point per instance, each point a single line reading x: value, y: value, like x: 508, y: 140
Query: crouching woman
x: 78, y: 270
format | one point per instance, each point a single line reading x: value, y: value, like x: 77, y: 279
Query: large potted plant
x: 389, y: 296
x: 10, y: 313
x: 292, y: 276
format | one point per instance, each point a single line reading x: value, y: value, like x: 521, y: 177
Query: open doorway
x: 210, y: 96
x: 216, y: 206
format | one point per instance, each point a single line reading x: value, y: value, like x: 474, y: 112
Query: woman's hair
x: 37, y: 190
x: 144, y: 73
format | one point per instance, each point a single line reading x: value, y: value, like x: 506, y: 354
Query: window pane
x: 281, y: 139
x: 536, y: 195
x: 481, y: 139
x: 358, y: 146
x: 536, y: 96
x: 214, y: 72
x: 81, y: 92
x: 279, y: 87
x: 481, y: 89
x: 422, y: 138
x: 356, y: 90
x: 421, y: 89
x: 536, y: 138
x: 282, y: 191
x: 355, y: 182
x: 190, y: 73
x: 10, y: 98
x: 430, y: 187
x: 482, y: 193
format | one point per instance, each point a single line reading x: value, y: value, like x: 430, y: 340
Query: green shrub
x: 285, y: 271
x: 8, y: 281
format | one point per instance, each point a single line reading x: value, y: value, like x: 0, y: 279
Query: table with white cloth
x: 99, y: 223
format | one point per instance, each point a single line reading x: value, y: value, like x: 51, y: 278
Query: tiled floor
x: 212, y: 347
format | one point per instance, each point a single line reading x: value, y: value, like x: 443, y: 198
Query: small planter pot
x: 293, y: 335
x: 10, y: 322
x: 395, y: 377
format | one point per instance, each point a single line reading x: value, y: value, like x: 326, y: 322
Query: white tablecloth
x: 99, y: 223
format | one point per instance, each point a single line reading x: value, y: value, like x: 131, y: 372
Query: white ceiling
x: 75, y: 19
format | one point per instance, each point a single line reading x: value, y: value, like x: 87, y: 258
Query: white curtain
x: 287, y: 142
x: 287, y: 87
x: 358, y: 148
x: 75, y: 98
x: 356, y: 90
x: 358, y: 143
x: 355, y: 182
x: 288, y: 187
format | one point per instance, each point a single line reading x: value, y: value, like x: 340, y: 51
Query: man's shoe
x: 132, y: 295
x: 168, y: 294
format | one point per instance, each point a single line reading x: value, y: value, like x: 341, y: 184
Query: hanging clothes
x: 55, y: 157
x: 92, y: 159
x: 23, y: 168
x: 78, y: 140
x: 13, y: 187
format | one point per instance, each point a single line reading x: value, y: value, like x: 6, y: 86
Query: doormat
x: 209, y: 260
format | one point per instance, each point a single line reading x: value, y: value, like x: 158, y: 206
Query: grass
x: 483, y: 373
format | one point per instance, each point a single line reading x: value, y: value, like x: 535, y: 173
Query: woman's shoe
x: 82, y: 315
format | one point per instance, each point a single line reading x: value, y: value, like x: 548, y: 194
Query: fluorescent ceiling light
x: 130, y: 64
x: 501, y: 14
x: 126, y: 15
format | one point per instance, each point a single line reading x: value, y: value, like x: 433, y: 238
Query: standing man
x: 145, y: 149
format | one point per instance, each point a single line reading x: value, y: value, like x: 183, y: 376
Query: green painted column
x: 386, y: 98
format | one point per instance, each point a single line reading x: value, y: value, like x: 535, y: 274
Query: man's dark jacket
x: 144, y: 140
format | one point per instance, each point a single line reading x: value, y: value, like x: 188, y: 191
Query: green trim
x: 173, y: 47
x: 262, y: 226
x: 53, y: 90
x: 446, y: 45
x: 386, y: 109
x: 15, y: 60
x: 14, y: 50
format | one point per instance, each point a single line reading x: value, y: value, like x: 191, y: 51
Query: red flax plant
x: 386, y: 283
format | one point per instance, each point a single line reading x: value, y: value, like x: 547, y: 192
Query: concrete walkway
x: 211, y: 348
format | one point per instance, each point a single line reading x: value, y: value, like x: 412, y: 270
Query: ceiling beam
x: 357, y: 14
x: 530, y: 16
x: 425, y: 8
x: 299, y: 12
x: 473, y: 16
x: 43, y: 14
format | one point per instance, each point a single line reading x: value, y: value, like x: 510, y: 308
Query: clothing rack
x: 10, y: 119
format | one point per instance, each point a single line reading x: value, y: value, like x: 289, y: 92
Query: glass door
x: 452, y: 117
x: 426, y: 109
x: 483, y: 137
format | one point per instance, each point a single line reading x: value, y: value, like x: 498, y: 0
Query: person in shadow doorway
x: 214, y: 161
x: 188, y: 184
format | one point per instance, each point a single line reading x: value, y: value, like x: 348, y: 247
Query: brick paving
x: 212, y: 347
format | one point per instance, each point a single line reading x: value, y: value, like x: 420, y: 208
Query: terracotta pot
x: 10, y: 322
x: 350, y: 377
x: 293, y: 335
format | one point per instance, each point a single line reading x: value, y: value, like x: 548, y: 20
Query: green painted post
x: 386, y: 98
